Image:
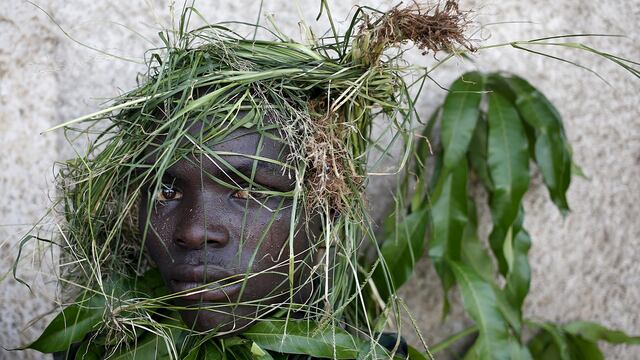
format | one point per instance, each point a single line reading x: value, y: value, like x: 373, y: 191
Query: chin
x: 223, y: 319
x: 229, y: 319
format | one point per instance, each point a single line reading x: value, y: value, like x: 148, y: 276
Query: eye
x: 168, y: 192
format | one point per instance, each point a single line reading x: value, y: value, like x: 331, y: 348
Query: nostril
x: 212, y: 242
x: 181, y: 243
x: 216, y: 239
x: 192, y: 239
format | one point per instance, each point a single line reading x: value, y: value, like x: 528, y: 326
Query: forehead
x: 249, y: 141
x: 204, y: 130
x: 239, y: 146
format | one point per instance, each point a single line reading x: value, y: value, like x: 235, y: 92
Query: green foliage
x: 576, y: 340
x: 482, y: 306
x: 78, y: 324
x: 492, y: 127
x: 551, y: 148
x: 79, y: 319
x: 71, y: 325
x: 401, y: 250
x: 508, y: 163
x: 459, y: 117
x: 303, y: 337
x: 148, y: 346
x: 449, y: 215
x: 595, y: 332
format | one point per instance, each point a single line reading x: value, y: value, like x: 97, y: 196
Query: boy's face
x: 224, y: 252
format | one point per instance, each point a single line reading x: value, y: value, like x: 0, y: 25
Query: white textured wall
x: 586, y: 266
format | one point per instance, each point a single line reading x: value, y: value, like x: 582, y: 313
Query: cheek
x: 158, y: 230
x: 275, y: 249
x: 265, y: 236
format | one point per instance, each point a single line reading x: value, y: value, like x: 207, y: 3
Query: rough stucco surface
x: 585, y: 266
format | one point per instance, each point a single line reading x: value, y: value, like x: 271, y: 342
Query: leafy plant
x: 492, y: 126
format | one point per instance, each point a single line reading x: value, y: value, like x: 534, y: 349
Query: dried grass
x: 433, y: 28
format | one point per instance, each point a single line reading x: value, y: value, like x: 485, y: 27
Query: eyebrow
x: 234, y: 167
x: 269, y: 173
x: 246, y: 166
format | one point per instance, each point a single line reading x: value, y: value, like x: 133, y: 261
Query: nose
x: 197, y: 231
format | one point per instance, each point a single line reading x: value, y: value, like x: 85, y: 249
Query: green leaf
x: 474, y: 253
x: 449, y: 215
x: 157, y: 346
x: 449, y: 218
x: 452, y: 339
x: 372, y: 350
x: 86, y: 313
x: 415, y: 354
x: 594, y: 332
x: 148, y: 285
x: 519, y: 351
x: 436, y: 176
x: 477, y: 154
x: 150, y: 346
x: 89, y: 351
x: 303, y: 337
x: 519, y: 276
x: 508, y: 311
x: 212, y: 351
x: 575, y: 341
x: 577, y: 171
x: 192, y: 354
x: 509, y: 169
x: 72, y: 324
x: 550, y: 342
x: 497, y: 82
x: 400, y: 252
x: 541, y: 113
x: 476, y: 257
x: 258, y: 353
x: 479, y: 300
x: 472, y: 353
x: 554, y: 162
x: 551, y: 146
x: 209, y: 350
x: 459, y: 116
x: 582, y: 349
x: 541, y: 346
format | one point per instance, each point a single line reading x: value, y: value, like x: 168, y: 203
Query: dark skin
x: 216, y: 246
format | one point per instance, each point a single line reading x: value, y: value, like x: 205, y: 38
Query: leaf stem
x: 453, y: 339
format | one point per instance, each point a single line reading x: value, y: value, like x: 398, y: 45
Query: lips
x: 205, y: 283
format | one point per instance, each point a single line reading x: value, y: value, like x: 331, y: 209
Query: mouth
x: 205, y: 283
